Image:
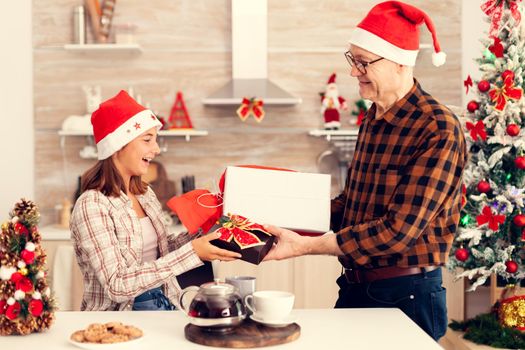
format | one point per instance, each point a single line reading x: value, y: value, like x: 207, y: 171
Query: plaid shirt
x: 107, y: 237
x: 401, y: 202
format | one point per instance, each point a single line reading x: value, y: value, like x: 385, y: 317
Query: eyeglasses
x: 360, y: 65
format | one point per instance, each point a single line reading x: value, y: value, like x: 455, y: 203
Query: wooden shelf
x: 186, y: 133
x: 84, y: 48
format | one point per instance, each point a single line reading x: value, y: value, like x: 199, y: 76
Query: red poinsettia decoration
x: 477, y: 130
x: 21, y: 229
x: 493, y: 220
x: 27, y: 256
x: 13, y: 311
x: 238, y: 228
x: 500, y: 95
x: 36, y: 306
x: 24, y: 284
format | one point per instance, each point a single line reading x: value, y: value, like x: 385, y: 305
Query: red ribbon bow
x: 477, y: 130
x: 237, y: 227
x: 251, y: 106
x: 468, y: 83
x: 494, y: 9
x: 493, y: 220
x: 508, y: 91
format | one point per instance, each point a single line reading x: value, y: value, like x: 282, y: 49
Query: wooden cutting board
x: 249, y: 334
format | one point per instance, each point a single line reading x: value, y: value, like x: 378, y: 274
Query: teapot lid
x: 217, y: 288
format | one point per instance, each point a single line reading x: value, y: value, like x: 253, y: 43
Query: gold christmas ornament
x: 511, y: 312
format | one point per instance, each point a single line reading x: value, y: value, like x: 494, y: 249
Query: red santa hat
x: 118, y: 121
x: 390, y: 30
x: 331, y: 80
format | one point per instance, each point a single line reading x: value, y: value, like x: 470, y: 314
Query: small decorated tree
x: 26, y: 305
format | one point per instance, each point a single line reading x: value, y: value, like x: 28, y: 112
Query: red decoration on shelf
x: 468, y: 83
x: 477, y: 130
x: 483, y: 86
x: 512, y: 267
x: 179, y: 117
x: 519, y: 220
x: 513, y: 130
x: 494, y: 220
x: 500, y: 96
x: 472, y: 106
x: 462, y: 254
x: 483, y: 186
x: 520, y: 162
x: 251, y: 106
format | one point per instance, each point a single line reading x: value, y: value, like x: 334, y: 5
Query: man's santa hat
x: 390, y: 30
x: 118, y: 121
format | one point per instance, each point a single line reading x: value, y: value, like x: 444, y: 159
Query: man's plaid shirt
x: 107, y: 237
x: 401, y: 203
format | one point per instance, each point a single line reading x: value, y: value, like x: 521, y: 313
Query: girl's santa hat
x: 118, y: 121
x: 390, y: 30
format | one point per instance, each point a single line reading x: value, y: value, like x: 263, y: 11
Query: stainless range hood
x: 250, y: 59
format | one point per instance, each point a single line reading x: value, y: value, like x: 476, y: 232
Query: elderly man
x: 396, y: 218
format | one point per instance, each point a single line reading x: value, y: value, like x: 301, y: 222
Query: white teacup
x: 270, y: 305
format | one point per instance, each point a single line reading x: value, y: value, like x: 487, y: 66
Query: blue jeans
x: 421, y: 297
x: 153, y: 300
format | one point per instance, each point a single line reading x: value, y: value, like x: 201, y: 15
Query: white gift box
x: 297, y: 201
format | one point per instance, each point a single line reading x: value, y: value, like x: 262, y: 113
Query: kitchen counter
x: 359, y: 329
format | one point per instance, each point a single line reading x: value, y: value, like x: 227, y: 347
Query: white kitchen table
x: 323, y: 329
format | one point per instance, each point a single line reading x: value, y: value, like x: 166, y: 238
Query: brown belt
x: 383, y: 273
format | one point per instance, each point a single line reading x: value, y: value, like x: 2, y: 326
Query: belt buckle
x: 355, y: 274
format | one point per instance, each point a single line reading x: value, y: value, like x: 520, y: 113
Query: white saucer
x: 275, y: 323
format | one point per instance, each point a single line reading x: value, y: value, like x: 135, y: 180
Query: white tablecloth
x: 323, y: 329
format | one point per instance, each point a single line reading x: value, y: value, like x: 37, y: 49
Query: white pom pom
x: 6, y: 272
x: 14, y: 220
x: 37, y: 295
x: 30, y: 246
x: 10, y: 301
x: 40, y: 274
x: 19, y: 295
x: 439, y: 58
x: 21, y: 264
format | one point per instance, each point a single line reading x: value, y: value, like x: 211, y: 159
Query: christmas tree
x: 25, y: 302
x: 491, y: 236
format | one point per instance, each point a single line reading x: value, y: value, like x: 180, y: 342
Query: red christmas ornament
x: 17, y: 276
x: 507, y: 74
x: 24, y: 284
x: 483, y: 186
x: 27, y: 256
x: 511, y: 266
x: 520, y: 162
x: 21, y: 229
x: 472, y: 106
x: 519, y: 220
x: 12, y: 311
x: 3, y: 306
x: 483, y: 86
x: 462, y: 254
x: 36, y: 306
x: 513, y: 130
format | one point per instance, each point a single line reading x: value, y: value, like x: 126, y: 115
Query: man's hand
x: 208, y: 252
x: 289, y: 244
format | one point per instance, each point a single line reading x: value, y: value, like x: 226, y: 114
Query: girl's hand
x: 207, y: 251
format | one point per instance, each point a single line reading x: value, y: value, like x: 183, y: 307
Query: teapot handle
x: 194, y: 289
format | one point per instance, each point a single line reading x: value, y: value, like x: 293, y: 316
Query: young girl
x: 127, y: 258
